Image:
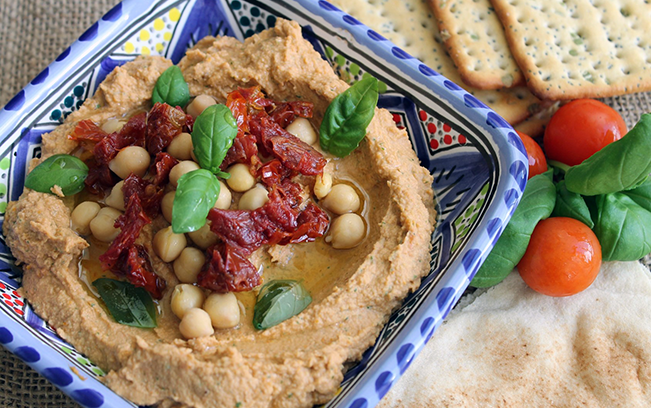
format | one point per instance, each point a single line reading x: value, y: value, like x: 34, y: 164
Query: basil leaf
x: 63, y: 170
x: 622, y: 227
x: 641, y: 195
x: 171, y: 88
x: 572, y: 205
x: 621, y: 165
x: 128, y: 304
x: 346, y: 118
x: 196, y: 194
x: 212, y: 135
x: 536, y: 204
x: 279, y: 300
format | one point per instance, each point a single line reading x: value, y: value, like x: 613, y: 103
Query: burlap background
x: 32, y: 34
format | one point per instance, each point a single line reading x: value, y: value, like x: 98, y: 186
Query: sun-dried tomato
x: 228, y: 270
x: 133, y: 133
x: 134, y: 264
x: 130, y: 224
x: 238, y: 106
x: 189, y: 123
x: 237, y: 228
x: 273, y: 172
x: 292, y: 151
x: 284, y: 113
x: 275, y: 222
x: 149, y: 193
x: 164, y: 123
x: 87, y: 134
x: 281, y: 209
x: 242, y: 232
x: 255, y: 98
x: 312, y: 224
x: 291, y: 192
x: 100, y: 178
x: 161, y: 168
x: 244, y: 150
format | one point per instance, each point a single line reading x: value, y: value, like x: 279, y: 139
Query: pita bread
x: 512, y: 347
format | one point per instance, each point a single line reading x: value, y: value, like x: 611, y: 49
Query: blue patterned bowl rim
x: 506, y: 157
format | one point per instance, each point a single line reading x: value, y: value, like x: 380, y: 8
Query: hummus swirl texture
x: 297, y: 363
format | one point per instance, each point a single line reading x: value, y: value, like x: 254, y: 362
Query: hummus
x: 297, y: 363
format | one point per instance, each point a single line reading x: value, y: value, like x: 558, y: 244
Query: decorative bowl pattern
x: 478, y: 163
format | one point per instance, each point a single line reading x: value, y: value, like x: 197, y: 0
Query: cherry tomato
x: 563, y: 257
x: 537, y: 161
x: 580, y: 129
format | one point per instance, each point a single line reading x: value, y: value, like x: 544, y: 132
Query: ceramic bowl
x: 478, y: 162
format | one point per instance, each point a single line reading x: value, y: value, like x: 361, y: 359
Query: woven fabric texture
x: 32, y: 34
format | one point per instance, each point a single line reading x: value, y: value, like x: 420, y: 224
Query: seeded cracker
x: 475, y: 40
x: 535, y: 124
x: 411, y: 25
x: 580, y: 48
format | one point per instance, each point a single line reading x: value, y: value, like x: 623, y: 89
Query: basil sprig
x: 212, y: 135
x: 128, y: 304
x: 171, y: 88
x: 347, y: 117
x: 279, y: 300
x: 196, y: 194
x: 63, y: 170
x: 621, y: 165
x: 536, y: 204
x: 610, y: 192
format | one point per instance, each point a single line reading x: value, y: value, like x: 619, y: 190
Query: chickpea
x: 341, y: 199
x: 181, y: 147
x: 82, y: 215
x: 166, y: 205
x: 241, y: 179
x: 180, y: 169
x: 224, y: 200
x: 203, y: 237
x: 131, y: 159
x: 188, y: 265
x: 322, y: 185
x: 346, y: 231
x: 302, y: 129
x: 102, y: 225
x: 168, y: 245
x: 254, y: 198
x: 113, y: 125
x: 199, y: 104
x: 116, y: 198
x: 184, y: 298
x: 196, y: 323
x: 223, y: 309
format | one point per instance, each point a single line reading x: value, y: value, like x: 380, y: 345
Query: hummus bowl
x: 477, y: 162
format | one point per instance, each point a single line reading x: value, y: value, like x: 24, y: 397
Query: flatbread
x: 607, y: 51
x: 475, y: 40
x: 411, y: 25
x: 512, y: 347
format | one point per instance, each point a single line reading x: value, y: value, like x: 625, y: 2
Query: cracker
x: 411, y: 25
x: 580, y: 48
x: 475, y: 40
x: 535, y: 124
